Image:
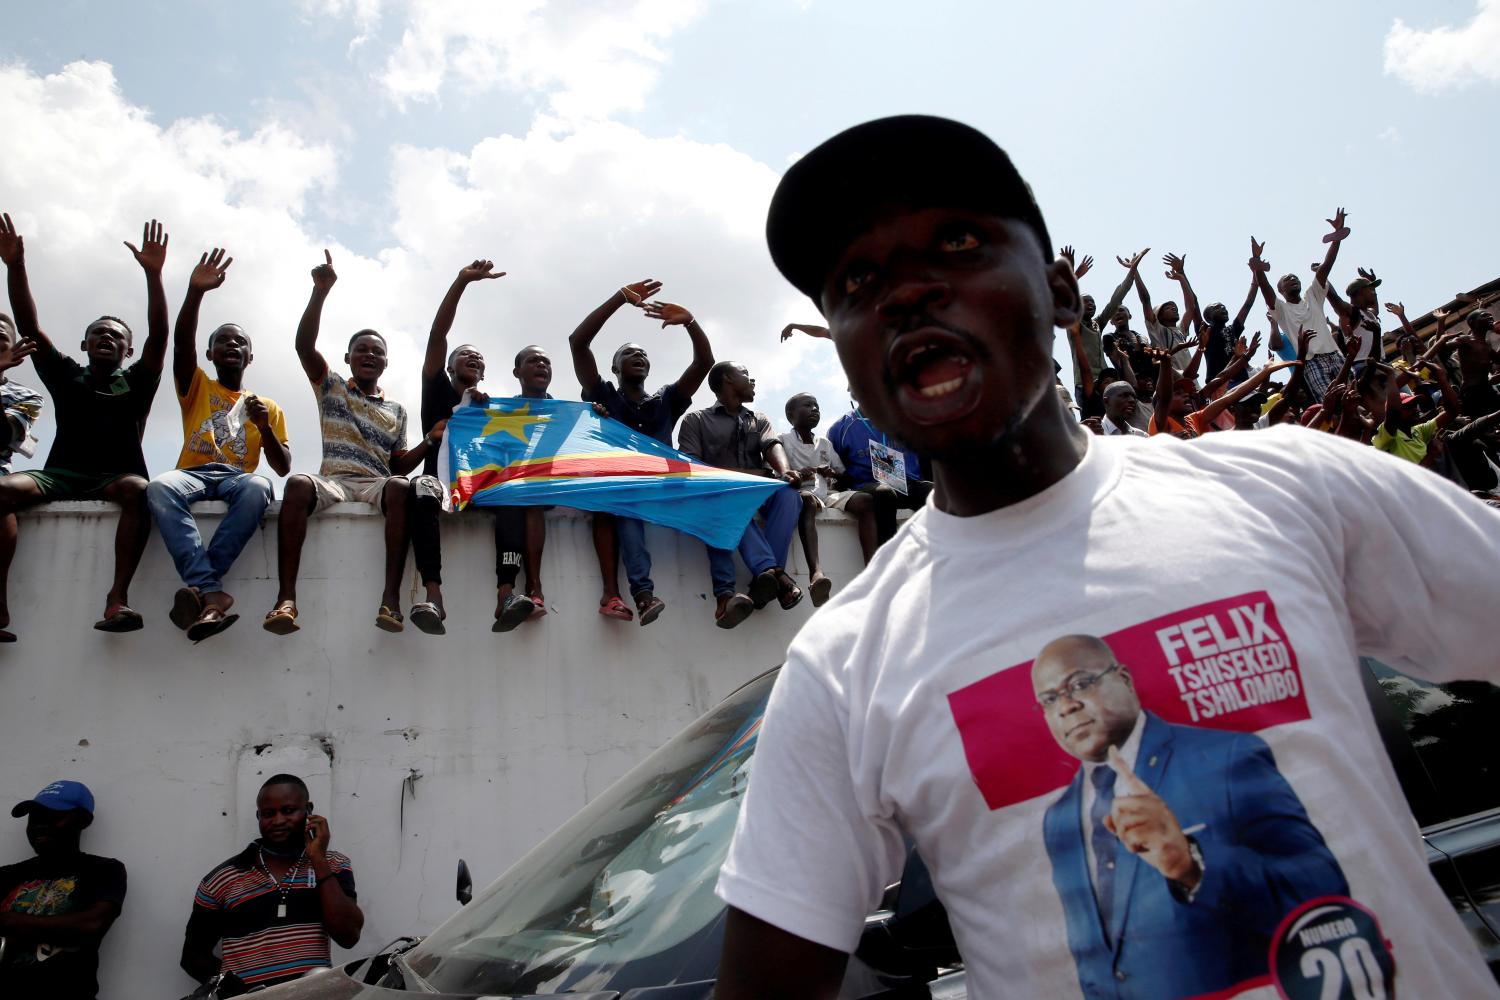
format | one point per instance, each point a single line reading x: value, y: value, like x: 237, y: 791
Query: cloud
x: 570, y: 215
x: 1390, y: 134
x: 584, y: 60
x: 1446, y: 58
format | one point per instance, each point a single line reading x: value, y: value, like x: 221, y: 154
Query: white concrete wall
x: 511, y: 734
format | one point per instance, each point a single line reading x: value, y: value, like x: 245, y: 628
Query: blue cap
x: 60, y: 796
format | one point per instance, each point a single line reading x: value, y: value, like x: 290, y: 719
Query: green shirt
x: 1413, y: 446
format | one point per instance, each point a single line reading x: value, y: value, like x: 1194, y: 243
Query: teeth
x: 942, y: 388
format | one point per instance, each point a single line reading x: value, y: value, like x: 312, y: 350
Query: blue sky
x: 580, y: 143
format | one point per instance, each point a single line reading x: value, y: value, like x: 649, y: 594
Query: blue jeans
x: 632, y: 535
x: 169, y: 496
x: 761, y: 548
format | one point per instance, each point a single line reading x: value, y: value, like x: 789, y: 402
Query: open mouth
x: 935, y: 375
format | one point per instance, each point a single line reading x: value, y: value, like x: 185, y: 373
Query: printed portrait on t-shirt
x: 1185, y: 862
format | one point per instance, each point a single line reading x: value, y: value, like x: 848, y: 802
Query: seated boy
x: 815, y: 461
x: 224, y: 431
x: 101, y: 413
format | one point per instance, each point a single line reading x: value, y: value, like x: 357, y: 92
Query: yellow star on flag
x: 514, y: 422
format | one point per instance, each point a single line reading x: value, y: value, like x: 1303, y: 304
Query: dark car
x: 619, y: 903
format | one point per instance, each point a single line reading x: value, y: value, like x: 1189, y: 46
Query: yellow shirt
x: 213, y: 430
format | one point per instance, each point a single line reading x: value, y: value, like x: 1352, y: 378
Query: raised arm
x: 1115, y: 299
x: 207, y: 275
x: 435, y: 361
x: 811, y: 329
x: 1340, y: 232
x: 152, y: 256
x: 1245, y: 388
x: 22, y: 306
x: 1177, y: 271
x: 1244, y: 313
x: 1398, y: 310
x: 313, y: 362
x: 580, y: 341
x: 1165, y: 386
x: 1451, y: 405
x: 1259, y: 266
x: 672, y: 314
x: 342, y: 918
x: 1080, y: 360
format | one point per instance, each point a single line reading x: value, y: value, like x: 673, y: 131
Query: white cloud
x: 1448, y: 57
x: 570, y: 215
x: 588, y: 60
x: 1390, y: 134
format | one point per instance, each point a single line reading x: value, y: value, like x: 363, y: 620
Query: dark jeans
x: 426, y: 539
x: 761, y: 549
x: 888, y: 501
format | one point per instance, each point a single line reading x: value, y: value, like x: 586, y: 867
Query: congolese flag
x: 528, y: 452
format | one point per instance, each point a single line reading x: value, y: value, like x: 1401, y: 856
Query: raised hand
x: 1396, y: 309
x: 1304, y: 341
x: 1083, y: 268
x: 1254, y: 344
x: 1439, y: 313
x: 12, y: 247
x: 1176, y: 266
x: 669, y: 313
x: 1147, y: 826
x: 811, y: 329
x: 318, y: 838
x: 1256, y: 249
x: 1340, y: 231
x: 1255, y: 262
x: 1133, y: 262
x: 152, y: 253
x: 638, y: 292
x: 1367, y: 274
x: 257, y: 411
x: 208, y: 273
x: 1241, y: 348
x: 479, y: 271
x: 19, y: 352
x: 1066, y: 253
x: 323, y: 275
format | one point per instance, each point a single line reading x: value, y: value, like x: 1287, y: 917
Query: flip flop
x: 6, y: 635
x: 736, y: 610
x: 616, y: 609
x: 389, y: 619
x: 788, y: 594
x: 282, y: 619
x: 649, y: 609
x: 763, y: 588
x: 820, y: 590
x: 187, y: 605
x: 428, y: 617
x: 210, y: 623
x: 541, y: 607
x: 517, y: 609
x: 123, y: 620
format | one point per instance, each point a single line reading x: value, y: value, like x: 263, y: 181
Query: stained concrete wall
x: 419, y: 749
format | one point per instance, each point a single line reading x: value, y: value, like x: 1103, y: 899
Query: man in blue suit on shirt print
x: 1176, y: 850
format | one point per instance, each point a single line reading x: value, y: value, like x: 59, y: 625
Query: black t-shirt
x: 438, y: 400
x: 654, y: 416
x: 49, y: 887
x: 1219, y: 349
x: 99, y: 423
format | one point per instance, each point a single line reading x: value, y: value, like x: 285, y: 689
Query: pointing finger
x: 1132, y: 784
x: 328, y: 257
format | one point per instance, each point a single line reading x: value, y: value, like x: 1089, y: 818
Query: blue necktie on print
x: 1105, y: 843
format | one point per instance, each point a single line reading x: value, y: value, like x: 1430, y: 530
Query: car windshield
x: 622, y: 895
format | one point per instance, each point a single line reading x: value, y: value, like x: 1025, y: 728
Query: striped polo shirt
x: 360, y: 432
x: 237, y: 907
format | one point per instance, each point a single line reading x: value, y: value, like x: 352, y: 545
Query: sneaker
x: 513, y: 612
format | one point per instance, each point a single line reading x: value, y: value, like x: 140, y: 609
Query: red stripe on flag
x: 581, y: 467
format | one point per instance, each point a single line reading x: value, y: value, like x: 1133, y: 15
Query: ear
x: 208, y: 353
x: 129, y: 350
x: 1066, y: 302
x: 346, y: 357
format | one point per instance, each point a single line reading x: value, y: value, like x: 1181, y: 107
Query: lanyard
x: 285, y: 886
x: 870, y: 428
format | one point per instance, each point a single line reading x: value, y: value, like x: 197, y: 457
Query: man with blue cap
x: 55, y: 908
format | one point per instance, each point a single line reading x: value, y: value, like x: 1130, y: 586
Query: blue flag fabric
x: 529, y: 452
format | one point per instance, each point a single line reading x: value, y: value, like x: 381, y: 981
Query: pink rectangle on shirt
x: 1222, y: 665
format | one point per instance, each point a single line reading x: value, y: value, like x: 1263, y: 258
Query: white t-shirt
x: 800, y: 455
x: 1366, y: 324
x: 906, y: 708
x: 1307, y: 314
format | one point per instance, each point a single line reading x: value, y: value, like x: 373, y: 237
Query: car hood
x: 337, y: 984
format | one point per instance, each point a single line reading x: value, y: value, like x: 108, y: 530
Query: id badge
x: 888, y: 466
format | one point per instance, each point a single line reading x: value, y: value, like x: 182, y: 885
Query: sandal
x: 429, y: 617
x: 733, y: 609
x: 389, y: 619
x: 282, y: 619
x: 515, y: 610
x: 649, y: 606
x: 763, y: 588
x: 210, y: 623
x: 616, y: 609
x: 788, y: 594
x: 820, y: 590
x: 124, y: 619
x: 187, y: 605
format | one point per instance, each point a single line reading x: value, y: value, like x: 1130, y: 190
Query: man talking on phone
x: 273, y: 907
